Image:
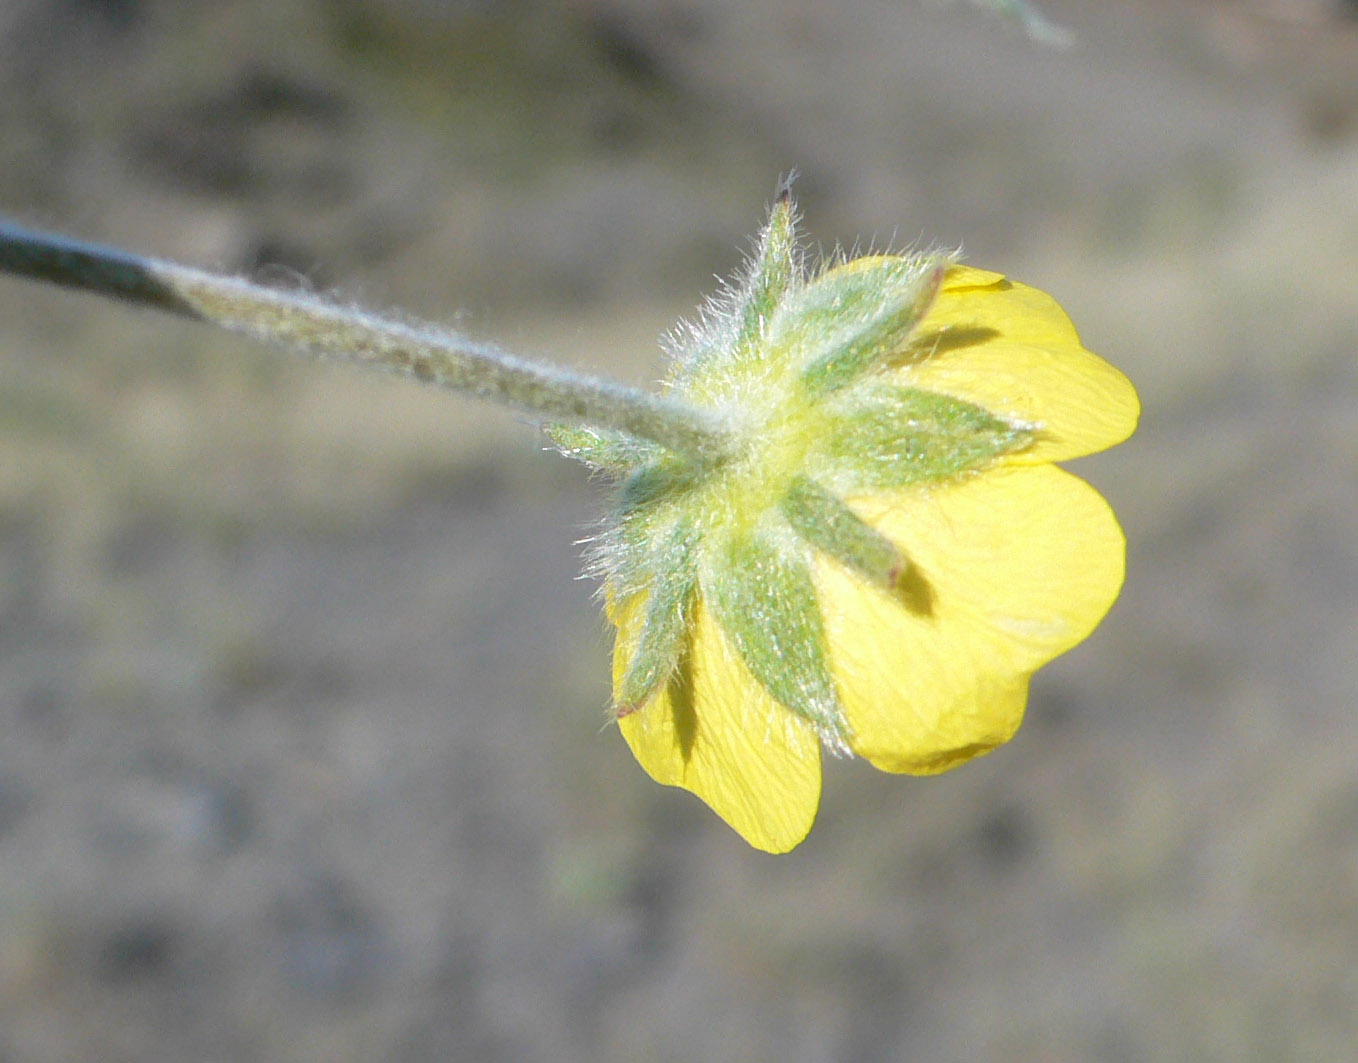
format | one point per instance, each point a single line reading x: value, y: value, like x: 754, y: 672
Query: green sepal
x: 827, y: 524
x: 612, y: 452
x: 870, y: 341
x: 888, y: 436
x: 771, y: 271
x: 648, y: 503
x: 765, y: 601
x: 668, y: 616
x: 735, y: 332
x: 852, y: 319
x: 666, y: 479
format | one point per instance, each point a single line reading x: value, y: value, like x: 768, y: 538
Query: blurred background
x: 302, y: 752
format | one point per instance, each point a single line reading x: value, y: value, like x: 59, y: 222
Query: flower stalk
x: 428, y: 353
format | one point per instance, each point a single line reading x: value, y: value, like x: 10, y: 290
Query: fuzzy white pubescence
x: 809, y: 377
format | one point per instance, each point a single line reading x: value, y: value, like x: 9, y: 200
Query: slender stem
x: 428, y: 353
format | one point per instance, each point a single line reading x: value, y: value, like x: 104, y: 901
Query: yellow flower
x: 885, y: 556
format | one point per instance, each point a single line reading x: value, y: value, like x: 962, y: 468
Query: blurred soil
x: 301, y: 745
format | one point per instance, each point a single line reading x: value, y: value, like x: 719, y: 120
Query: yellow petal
x: 716, y: 732
x: 1012, y: 350
x: 983, y: 299
x: 1011, y: 567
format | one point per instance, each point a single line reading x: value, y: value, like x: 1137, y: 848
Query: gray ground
x: 300, y: 704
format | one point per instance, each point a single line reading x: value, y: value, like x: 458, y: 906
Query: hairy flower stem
x: 428, y: 353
